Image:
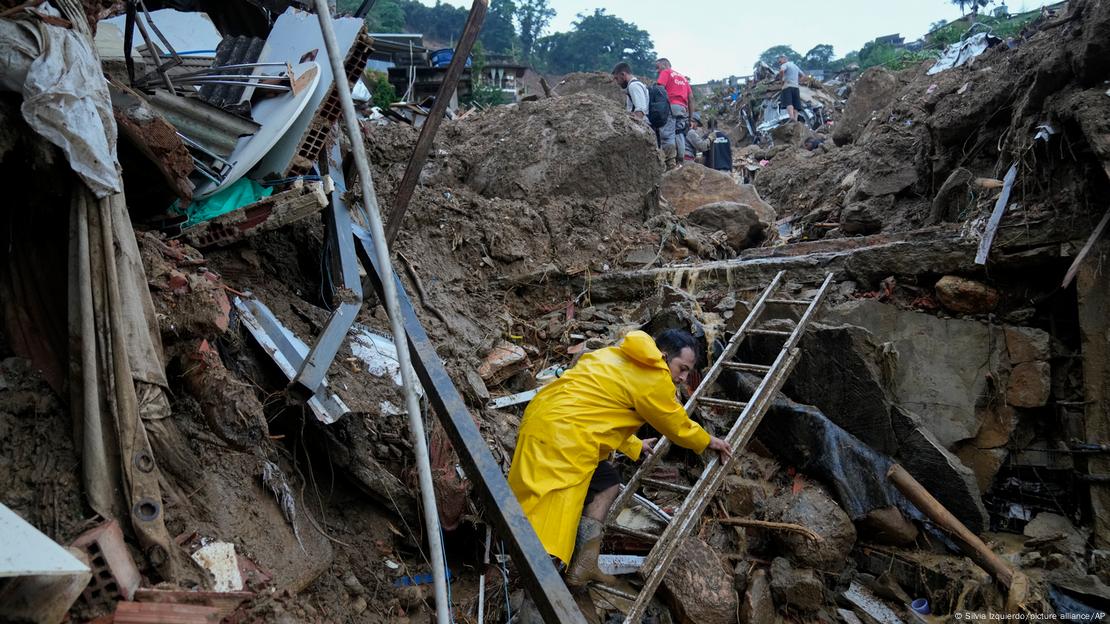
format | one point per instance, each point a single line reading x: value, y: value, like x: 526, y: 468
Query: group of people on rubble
x: 665, y: 107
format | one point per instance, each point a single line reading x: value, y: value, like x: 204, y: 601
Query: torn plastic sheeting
x: 242, y: 192
x: 961, y: 52
x: 377, y: 353
x: 65, y: 95
x: 183, y: 30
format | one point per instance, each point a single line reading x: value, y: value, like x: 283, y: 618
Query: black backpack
x: 659, y: 106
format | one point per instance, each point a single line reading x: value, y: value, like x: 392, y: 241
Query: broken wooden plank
x: 1097, y: 234
x: 979, y: 552
x: 428, y: 132
x: 996, y: 216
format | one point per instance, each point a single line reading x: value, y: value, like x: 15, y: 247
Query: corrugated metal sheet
x: 213, y: 128
x: 232, y: 51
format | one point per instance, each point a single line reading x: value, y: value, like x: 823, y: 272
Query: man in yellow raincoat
x: 559, y: 473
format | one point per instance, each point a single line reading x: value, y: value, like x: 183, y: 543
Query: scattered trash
x: 220, y: 560
x: 961, y: 52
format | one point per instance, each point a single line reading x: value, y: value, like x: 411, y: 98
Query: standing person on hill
x: 791, y: 96
x: 680, y: 96
x: 635, y: 92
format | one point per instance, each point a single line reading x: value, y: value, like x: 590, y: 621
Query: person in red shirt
x: 680, y: 96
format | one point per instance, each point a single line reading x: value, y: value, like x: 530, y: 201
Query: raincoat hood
x: 641, y: 348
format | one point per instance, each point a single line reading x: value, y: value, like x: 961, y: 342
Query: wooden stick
x: 435, y: 116
x: 931, y: 507
x: 1074, y: 268
x: 547, y: 90
x: 774, y: 526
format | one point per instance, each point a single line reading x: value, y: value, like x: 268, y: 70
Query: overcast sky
x: 712, y: 39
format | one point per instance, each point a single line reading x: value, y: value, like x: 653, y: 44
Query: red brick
x: 114, y: 573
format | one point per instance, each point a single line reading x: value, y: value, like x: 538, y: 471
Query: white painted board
x: 296, y: 34
x: 25, y: 551
x: 275, y: 115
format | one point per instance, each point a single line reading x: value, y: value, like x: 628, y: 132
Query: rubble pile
x: 939, y: 438
x: 917, y: 149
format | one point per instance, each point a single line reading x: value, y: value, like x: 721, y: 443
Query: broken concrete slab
x: 846, y: 371
x: 700, y: 585
x: 942, y: 368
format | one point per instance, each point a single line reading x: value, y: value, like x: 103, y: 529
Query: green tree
x: 382, y: 93
x: 532, y: 16
x: 387, y: 16
x: 937, y: 25
x: 819, y: 56
x: 498, y: 32
x: 771, y: 55
x: 974, y: 4
x: 597, y: 42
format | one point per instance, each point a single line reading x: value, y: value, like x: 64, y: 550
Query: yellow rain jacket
x: 579, y: 419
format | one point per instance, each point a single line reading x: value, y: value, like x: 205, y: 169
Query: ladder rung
x: 651, y: 537
x: 801, y: 302
x: 665, y: 485
x: 747, y: 368
x: 768, y: 332
x: 722, y: 403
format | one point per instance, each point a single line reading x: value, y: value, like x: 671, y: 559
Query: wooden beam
x: 1097, y: 234
x: 405, y: 190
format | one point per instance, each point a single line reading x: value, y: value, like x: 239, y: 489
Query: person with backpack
x: 679, y: 96
x: 637, y: 97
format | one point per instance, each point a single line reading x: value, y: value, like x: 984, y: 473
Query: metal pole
x: 377, y: 232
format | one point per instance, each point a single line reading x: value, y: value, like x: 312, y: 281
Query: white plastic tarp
x: 963, y: 51
x: 65, y: 96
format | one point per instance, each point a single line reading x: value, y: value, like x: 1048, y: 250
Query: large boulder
x: 853, y: 373
x: 701, y: 585
x: 874, y: 90
x: 577, y: 146
x: 691, y: 186
x: 741, y: 224
x: 814, y: 509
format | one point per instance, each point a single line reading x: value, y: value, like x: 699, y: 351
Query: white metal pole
x: 377, y: 232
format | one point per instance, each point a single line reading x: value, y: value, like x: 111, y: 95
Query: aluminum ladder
x: 750, y: 414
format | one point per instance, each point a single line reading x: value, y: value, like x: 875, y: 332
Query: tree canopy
x: 771, y: 54
x: 819, y: 57
x: 597, y: 42
x: 532, y: 17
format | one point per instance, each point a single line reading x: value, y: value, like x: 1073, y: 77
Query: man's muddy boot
x: 670, y: 153
x: 583, y: 563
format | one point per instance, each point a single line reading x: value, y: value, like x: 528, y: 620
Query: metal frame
x: 287, y: 352
x: 310, y: 374
x: 502, y: 508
